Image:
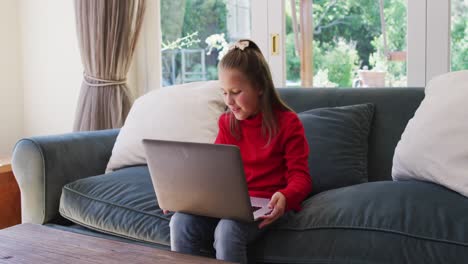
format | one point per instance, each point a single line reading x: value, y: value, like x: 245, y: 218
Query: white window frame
x: 437, y: 38
x: 428, y: 40
x: 267, y: 20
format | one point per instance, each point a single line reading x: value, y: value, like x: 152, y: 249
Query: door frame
x: 268, y: 20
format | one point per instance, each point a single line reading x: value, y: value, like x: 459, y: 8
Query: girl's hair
x: 245, y: 57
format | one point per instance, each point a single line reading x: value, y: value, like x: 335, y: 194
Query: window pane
x: 195, y: 33
x: 459, y: 35
x: 349, y: 48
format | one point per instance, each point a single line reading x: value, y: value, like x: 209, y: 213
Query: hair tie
x: 240, y: 45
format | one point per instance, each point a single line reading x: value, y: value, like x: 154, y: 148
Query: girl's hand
x: 165, y: 212
x: 278, y: 204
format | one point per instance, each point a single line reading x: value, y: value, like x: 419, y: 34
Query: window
x: 353, y: 44
x: 459, y: 35
x: 195, y: 35
x: 356, y: 43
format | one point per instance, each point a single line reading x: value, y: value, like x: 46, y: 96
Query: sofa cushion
x: 393, y: 108
x: 338, y: 142
x: 186, y: 112
x: 378, y: 222
x: 433, y: 146
x: 121, y: 203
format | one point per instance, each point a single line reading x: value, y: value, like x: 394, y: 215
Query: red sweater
x: 281, y: 166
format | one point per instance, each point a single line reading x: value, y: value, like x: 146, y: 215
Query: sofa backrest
x: 394, y: 107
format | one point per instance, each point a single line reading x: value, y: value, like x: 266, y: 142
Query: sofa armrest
x: 43, y: 165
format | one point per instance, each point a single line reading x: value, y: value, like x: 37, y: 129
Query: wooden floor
x: 10, y: 201
x: 29, y: 243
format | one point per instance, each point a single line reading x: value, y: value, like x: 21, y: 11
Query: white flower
x: 217, y: 41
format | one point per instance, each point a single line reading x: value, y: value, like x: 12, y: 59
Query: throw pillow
x: 338, y: 142
x: 433, y: 145
x: 187, y: 112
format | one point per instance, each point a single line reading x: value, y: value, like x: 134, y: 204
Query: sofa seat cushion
x: 377, y: 222
x: 121, y: 203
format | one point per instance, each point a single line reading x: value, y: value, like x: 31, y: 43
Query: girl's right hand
x: 278, y: 204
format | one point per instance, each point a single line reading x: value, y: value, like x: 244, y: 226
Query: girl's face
x: 239, y: 95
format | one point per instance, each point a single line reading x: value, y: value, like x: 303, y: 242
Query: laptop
x: 202, y: 179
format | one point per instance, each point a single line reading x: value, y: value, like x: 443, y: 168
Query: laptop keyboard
x: 255, y: 208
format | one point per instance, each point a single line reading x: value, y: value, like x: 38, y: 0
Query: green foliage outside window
x: 193, y: 21
x: 342, y: 62
x: 459, y: 35
x: 184, y: 17
x: 347, y: 37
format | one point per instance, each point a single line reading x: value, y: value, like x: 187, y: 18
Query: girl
x: 274, y: 153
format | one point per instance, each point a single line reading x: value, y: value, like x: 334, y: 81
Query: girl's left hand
x: 278, y: 204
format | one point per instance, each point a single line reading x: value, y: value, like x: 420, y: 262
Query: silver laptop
x: 202, y: 179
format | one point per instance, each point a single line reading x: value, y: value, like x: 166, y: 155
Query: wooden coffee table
x: 10, y: 198
x: 30, y: 243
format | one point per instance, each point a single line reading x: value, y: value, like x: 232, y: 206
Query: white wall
x: 11, y: 93
x: 41, y: 70
x: 51, y: 65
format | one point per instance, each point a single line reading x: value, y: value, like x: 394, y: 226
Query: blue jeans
x: 192, y: 233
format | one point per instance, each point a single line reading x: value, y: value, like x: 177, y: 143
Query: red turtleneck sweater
x: 281, y: 166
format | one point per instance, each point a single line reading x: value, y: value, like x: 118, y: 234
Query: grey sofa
x: 380, y: 221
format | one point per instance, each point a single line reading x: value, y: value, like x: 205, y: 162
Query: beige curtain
x: 107, y: 34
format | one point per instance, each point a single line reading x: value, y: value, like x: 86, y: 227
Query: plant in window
x: 180, y: 43
x: 218, y: 42
x: 341, y: 61
x: 396, y: 71
x: 321, y: 79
